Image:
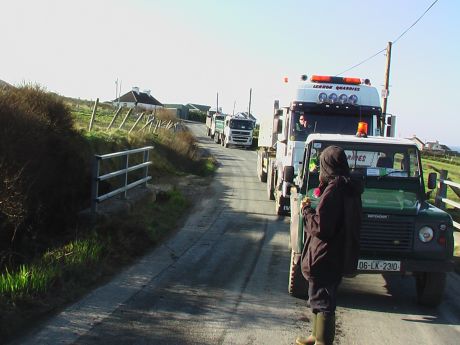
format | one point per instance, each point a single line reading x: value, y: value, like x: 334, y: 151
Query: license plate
x: 379, y: 265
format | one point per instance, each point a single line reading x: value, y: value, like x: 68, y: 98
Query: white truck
x: 329, y: 105
x: 238, y: 130
x: 214, y: 117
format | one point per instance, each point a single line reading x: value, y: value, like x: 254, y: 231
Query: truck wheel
x: 430, y: 287
x: 280, y: 202
x: 270, y: 194
x: 298, y: 285
x: 260, y: 167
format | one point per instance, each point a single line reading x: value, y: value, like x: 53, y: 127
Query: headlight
x: 425, y: 234
x: 322, y: 97
x: 333, y: 97
x: 343, y: 98
x: 353, y: 99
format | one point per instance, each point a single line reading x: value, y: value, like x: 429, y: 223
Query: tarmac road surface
x: 222, y: 279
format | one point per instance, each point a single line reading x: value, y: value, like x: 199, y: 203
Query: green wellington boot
x: 310, y: 340
x: 325, y: 328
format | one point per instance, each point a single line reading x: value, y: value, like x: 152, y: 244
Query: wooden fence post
x: 93, y: 115
x: 149, y: 122
x: 442, y: 190
x: 126, y: 117
x: 114, y: 118
x: 137, y: 121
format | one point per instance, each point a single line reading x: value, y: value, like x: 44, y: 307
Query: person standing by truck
x: 332, y: 232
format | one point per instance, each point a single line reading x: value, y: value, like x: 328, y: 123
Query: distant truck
x: 238, y: 130
x: 330, y: 105
x: 401, y: 232
x: 215, y: 124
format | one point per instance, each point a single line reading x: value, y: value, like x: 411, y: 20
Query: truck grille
x: 387, y: 233
x: 240, y: 139
x: 240, y: 133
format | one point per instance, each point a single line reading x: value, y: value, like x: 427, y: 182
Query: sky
x: 187, y: 51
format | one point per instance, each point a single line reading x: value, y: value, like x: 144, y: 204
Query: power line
x: 410, y: 27
x: 380, y: 51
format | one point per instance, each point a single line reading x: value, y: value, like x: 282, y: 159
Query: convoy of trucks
x: 401, y: 232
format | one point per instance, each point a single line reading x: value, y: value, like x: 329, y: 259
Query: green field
x: 430, y: 165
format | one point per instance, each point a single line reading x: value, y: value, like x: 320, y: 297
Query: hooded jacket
x: 332, y: 230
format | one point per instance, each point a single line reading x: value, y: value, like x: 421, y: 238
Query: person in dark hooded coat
x: 331, y: 249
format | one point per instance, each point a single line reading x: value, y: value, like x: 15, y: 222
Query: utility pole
x: 116, y: 89
x: 234, y: 105
x: 249, y: 109
x: 217, y: 105
x: 386, y: 91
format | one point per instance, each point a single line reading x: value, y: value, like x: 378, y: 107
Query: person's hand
x: 306, y: 202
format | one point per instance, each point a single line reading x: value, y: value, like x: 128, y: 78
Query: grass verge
x: 60, y: 276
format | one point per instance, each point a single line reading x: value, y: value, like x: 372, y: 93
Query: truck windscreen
x: 241, y: 124
x: 334, y: 119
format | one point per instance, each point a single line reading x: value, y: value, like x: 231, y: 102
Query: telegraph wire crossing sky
x: 186, y: 52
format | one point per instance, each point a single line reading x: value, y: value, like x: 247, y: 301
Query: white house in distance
x: 136, y: 98
x: 420, y: 144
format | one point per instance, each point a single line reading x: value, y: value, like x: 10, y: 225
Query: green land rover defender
x: 401, y: 232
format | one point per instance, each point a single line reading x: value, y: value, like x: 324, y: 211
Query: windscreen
x: 374, y: 160
x: 340, y: 119
x: 241, y: 124
x: 391, y: 173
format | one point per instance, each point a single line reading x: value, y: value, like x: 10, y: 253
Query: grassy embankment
x: 46, y: 258
x: 430, y: 164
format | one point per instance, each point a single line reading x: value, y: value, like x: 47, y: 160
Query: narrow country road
x: 222, y: 279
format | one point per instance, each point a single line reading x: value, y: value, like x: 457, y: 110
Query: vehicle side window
x: 413, y: 163
x: 399, y: 162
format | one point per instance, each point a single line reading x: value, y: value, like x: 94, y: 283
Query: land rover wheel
x: 298, y: 285
x: 430, y: 287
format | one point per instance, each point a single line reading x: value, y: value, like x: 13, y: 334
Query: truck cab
x: 401, y: 233
x: 238, y: 130
x: 328, y: 105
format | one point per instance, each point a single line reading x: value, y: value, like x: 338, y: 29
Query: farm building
x: 136, y: 98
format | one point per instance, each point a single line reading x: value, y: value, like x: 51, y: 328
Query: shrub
x: 196, y: 115
x: 44, y: 175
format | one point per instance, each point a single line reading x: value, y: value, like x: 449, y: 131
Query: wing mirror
x: 432, y: 177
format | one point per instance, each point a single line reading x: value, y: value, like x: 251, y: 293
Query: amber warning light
x: 362, y: 129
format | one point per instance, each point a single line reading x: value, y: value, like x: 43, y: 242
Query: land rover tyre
x: 260, y: 166
x: 298, y: 285
x: 270, y: 181
x: 430, y: 287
